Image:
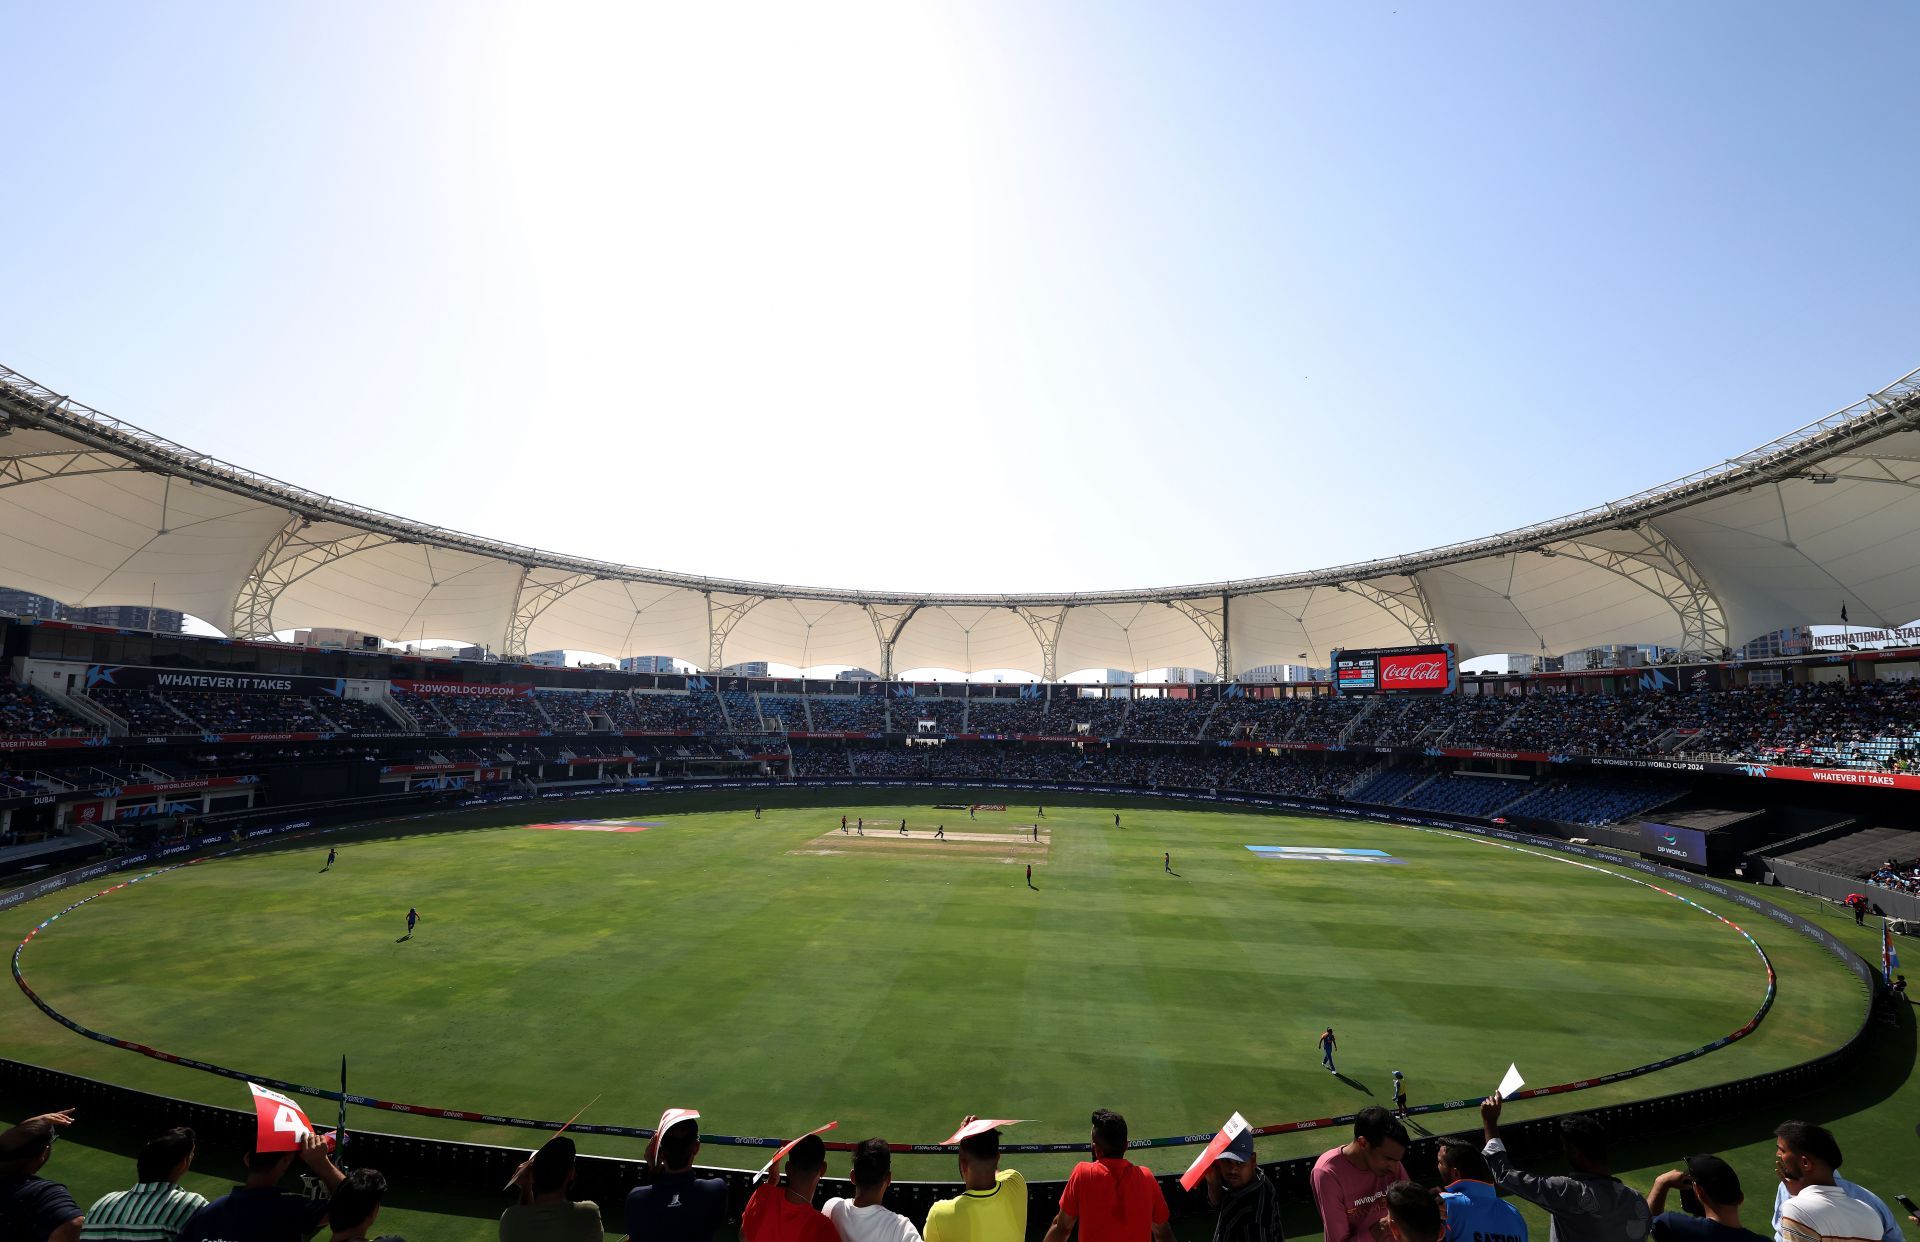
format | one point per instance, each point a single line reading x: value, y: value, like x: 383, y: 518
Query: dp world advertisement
x: 1395, y: 670
x: 1671, y: 841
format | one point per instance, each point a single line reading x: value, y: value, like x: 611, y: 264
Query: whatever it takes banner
x: 133, y: 677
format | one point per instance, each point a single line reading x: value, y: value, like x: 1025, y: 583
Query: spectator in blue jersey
x: 1248, y: 1202
x: 157, y: 1207
x: 676, y: 1205
x: 32, y: 1208
x: 257, y: 1211
x: 1588, y: 1205
x: 1474, y: 1209
x: 1716, y: 1187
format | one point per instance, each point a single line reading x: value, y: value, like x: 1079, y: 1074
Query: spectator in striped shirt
x: 1249, y: 1205
x: 157, y: 1206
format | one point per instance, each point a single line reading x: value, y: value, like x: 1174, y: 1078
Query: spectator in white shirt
x: 863, y: 1218
x: 1819, y: 1211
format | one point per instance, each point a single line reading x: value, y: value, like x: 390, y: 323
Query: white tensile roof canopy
x: 95, y: 511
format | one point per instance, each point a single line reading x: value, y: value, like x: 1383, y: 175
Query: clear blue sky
x: 964, y: 297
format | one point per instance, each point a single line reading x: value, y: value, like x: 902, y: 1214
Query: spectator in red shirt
x: 1109, y: 1197
x: 786, y: 1214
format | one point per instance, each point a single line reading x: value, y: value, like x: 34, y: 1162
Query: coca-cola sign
x: 1424, y: 671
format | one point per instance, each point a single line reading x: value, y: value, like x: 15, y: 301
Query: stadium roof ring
x: 92, y: 511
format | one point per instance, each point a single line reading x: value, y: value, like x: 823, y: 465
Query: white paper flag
x: 1511, y: 1083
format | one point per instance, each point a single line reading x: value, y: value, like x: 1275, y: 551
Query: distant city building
x: 119, y: 616
x: 1502, y: 665
x: 1614, y: 655
x: 752, y: 668
x: 647, y: 664
x: 856, y: 674
x: 548, y: 659
x: 1278, y: 673
x: 1792, y: 641
x: 27, y: 604
x: 1173, y: 677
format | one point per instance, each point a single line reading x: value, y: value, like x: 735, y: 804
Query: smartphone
x: 1907, y: 1204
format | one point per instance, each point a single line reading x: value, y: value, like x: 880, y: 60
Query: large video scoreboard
x: 1395, y: 670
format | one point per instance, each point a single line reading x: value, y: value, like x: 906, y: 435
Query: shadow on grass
x: 1355, y: 1083
x: 1882, y: 1073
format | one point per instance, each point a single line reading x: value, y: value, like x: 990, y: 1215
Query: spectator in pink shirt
x: 1350, y: 1181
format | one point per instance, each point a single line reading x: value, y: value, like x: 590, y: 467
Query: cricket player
x: 1327, y: 1048
x: 413, y: 916
x: 331, y: 855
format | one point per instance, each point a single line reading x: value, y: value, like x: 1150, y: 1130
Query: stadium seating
x: 1463, y: 795
x: 1594, y: 803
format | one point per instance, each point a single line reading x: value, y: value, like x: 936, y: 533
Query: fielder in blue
x: 1475, y: 1210
x: 1327, y: 1047
x: 413, y: 916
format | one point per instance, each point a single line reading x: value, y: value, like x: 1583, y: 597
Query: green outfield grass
x: 731, y: 965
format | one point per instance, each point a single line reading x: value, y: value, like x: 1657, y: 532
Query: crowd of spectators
x: 662, y: 710
x: 25, y: 712
x: 1902, y: 877
x: 910, y: 714
x: 588, y: 711
x: 213, y: 711
x: 1861, y: 725
x: 848, y: 713
x: 1168, y: 720
x: 472, y: 713
x: 1360, y: 1188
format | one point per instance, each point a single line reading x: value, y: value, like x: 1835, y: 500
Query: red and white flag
x: 1235, y: 1127
x: 280, y: 1125
x: 980, y: 1125
x: 668, y: 1120
x: 780, y: 1155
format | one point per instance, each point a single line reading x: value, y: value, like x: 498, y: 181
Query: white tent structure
x: 96, y: 511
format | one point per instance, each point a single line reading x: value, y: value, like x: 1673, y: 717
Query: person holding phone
x: 1713, y: 1215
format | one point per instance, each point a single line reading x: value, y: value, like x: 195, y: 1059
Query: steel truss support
x: 1045, y: 622
x: 723, y: 613
x: 39, y: 467
x: 532, y: 599
x: 1210, y: 615
x: 290, y: 556
x: 888, y: 621
x: 1407, y: 605
x: 1658, y: 566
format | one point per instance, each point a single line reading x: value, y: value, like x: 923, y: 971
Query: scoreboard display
x: 1395, y: 670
